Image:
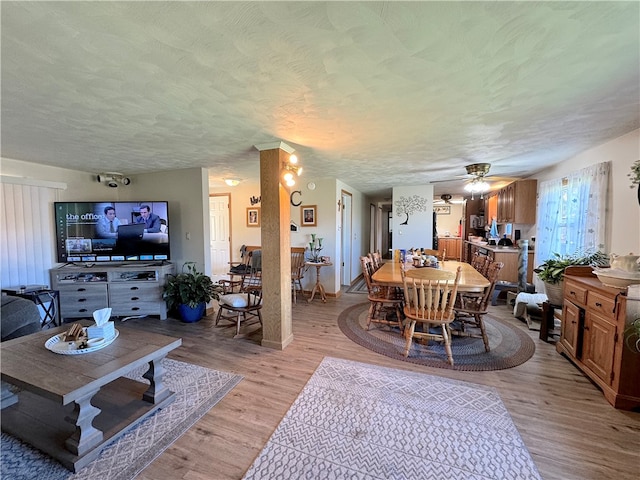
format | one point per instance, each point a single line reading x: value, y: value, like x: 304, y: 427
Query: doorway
x: 220, y: 234
x: 345, y: 220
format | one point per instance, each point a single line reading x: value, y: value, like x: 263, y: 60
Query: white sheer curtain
x: 572, y: 213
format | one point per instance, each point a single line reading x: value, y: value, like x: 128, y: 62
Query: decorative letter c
x: 291, y: 197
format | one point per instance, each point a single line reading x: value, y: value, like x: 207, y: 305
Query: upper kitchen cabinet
x: 516, y: 203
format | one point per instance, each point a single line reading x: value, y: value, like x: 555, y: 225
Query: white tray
x: 57, y: 345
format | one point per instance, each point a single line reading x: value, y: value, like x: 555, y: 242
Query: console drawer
x: 575, y: 292
x: 82, y: 300
x: 600, y: 304
x: 134, y: 292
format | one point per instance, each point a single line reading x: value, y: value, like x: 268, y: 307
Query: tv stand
x: 129, y: 289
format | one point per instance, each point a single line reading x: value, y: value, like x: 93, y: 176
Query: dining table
x: 390, y: 274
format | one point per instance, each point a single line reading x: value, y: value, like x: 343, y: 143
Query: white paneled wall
x: 27, y: 233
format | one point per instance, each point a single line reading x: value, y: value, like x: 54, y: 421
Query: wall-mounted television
x: 112, y: 231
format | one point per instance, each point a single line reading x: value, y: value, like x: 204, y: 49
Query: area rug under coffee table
x: 359, y: 421
x: 197, y: 390
x: 509, y: 345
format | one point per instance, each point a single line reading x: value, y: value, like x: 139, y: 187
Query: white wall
x: 419, y: 230
x: 449, y: 223
x: 623, y: 228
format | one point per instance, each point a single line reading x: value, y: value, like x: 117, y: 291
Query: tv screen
x: 112, y: 231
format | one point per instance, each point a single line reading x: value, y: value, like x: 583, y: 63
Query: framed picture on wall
x: 309, y: 215
x: 253, y: 216
x: 442, y: 209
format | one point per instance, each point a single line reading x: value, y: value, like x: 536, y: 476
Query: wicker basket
x: 554, y: 292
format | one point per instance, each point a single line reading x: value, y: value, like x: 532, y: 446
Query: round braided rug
x: 510, y: 346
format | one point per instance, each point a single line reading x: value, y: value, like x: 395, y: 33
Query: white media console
x: 130, y: 289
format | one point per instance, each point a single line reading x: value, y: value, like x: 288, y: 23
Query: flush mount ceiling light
x: 291, y: 170
x: 113, y: 179
x: 232, y: 182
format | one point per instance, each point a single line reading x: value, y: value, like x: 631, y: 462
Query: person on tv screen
x: 107, y: 226
x: 150, y: 220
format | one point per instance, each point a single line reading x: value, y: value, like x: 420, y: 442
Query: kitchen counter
x: 506, y: 255
x: 497, y: 248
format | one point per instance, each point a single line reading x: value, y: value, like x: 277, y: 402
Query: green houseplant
x: 551, y: 271
x: 189, y: 291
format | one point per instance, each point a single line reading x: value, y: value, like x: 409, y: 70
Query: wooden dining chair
x: 470, y: 309
x: 376, y: 260
x: 480, y: 263
x: 429, y: 301
x: 297, y: 272
x: 382, y: 300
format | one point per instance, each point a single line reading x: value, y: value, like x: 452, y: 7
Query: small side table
x: 318, y: 287
x: 49, y: 301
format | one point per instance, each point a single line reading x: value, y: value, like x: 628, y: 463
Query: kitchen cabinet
x: 592, y: 337
x: 452, y: 246
x: 491, y: 208
x: 516, y: 203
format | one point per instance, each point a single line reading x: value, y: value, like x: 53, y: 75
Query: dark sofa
x: 18, y: 317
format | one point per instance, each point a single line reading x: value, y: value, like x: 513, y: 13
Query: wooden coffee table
x: 71, y: 406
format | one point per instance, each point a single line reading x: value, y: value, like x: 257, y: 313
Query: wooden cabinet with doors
x: 592, y: 337
x: 516, y: 203
x: 452, y: 246
x: 491, y: 208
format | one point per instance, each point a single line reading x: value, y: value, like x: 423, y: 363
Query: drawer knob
x: 82, y: 310
x: 82, y: 299
x: 135, y: 308
x: 598, y: 304
x: 82, y: 289
x: 135, y: 298
x: 135, y: 288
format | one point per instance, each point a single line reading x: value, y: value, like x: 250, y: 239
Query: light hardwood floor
x: 565, y: 422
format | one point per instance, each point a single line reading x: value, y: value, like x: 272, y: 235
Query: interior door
x: 220, y: 244
x: 346, y: 276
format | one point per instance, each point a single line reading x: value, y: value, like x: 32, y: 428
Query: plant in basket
x: 551, y: 271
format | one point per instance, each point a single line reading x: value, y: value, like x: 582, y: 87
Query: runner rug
x: 509, y: 346
x: 197, y: 390
x: 359, y: 421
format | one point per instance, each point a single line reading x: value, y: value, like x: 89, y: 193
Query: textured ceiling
x: 376, y: 94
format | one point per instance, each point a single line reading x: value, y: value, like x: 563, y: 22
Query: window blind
x: 27, y: 234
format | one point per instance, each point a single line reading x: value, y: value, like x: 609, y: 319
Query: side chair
x: 297, y: 271
x: 382, y: 300
x: 470, y: 309
x: 429, y: 301
x: 376, y: 260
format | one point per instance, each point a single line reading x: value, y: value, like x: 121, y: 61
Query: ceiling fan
x: 477, y: 184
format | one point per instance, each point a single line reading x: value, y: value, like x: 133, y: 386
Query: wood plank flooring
x: 564, y: 420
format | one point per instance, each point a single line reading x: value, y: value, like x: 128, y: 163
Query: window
x: 572, y: 213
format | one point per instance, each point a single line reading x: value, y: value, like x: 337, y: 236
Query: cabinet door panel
x: 572, y: 318
x: 599, y: 346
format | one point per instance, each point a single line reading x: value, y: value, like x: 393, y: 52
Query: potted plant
x: 551, y: 272
x: 190, y: 291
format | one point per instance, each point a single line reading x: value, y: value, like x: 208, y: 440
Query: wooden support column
x: 277, y: 329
